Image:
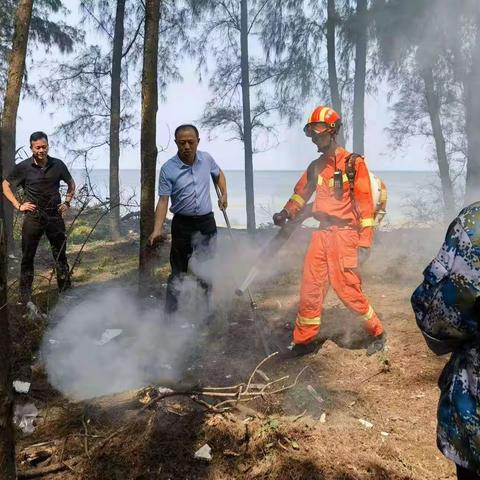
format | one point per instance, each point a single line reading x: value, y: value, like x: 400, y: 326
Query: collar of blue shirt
x: 182, y: 164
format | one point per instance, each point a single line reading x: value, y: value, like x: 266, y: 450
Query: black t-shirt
x: 40, y: 184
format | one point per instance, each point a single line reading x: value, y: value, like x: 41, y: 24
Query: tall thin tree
x: 247, y: 121
x: 361, y: 44
x: 433, y: 106
x: 7, y: 442
x: 414, y: 54
x: 336, y: 99
x: 16, y: 71
x: 241, y: 101
x: 115, y: 103
x: 301, y: 36
x: 148, y: 142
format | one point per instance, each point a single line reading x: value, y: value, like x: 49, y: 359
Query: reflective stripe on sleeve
x: 298, y: 199
x: 367, y: 222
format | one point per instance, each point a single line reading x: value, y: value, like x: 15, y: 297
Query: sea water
x: 273, y: 188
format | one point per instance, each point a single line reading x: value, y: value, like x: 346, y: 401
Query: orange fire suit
x: 346, y: 223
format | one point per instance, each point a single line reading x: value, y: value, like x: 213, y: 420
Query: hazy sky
x: 185, y: 104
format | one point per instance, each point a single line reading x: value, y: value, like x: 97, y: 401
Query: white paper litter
x: 204, y: 453
x: 21, y: 387
x: 365, y: 423
x: 164, y: 390
x: 108, y: 335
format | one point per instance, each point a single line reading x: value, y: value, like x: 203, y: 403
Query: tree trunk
x: 433, y: 105
x: 16, y: 71
x: 148, y: 143
x: 115, y: 120
x: 332, y: 63
x: 472, y: 114
x: 361, y: 34
x: 15, y: 74
x: 247, y: 123
x: 7, y: 436
x: 7, y: 442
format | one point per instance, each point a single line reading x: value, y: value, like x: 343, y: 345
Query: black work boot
x: 301, y: 349
x: 377, y: 344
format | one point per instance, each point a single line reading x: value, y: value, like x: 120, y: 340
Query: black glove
x: 280, y: 218
x: 363, y: 254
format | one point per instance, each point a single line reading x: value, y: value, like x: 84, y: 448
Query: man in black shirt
x: 39, y: 176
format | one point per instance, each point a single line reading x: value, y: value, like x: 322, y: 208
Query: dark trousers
x: 464, y: 474
x: 34, y: 226
x: 188, y: 233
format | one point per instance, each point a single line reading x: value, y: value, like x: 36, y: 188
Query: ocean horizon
x: 272, y: 188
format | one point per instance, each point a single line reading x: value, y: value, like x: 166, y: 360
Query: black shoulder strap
x: 350, y: 168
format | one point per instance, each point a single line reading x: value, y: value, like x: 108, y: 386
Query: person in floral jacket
x: 447, y: 309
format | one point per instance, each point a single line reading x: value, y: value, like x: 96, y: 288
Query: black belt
x: 327, y: 221
x: 45, y: 212
x: 192, y: 217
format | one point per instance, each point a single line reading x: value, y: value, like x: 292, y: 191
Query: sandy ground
x: 289, y: 435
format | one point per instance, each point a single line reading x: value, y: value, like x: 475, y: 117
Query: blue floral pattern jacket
x: 447, y: 309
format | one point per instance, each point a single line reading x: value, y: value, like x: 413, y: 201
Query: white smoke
x: 149, y: 349
x: 81, y: 365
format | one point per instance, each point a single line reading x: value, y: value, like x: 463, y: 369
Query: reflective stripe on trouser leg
x: 342, y: 268
x: 305, y: 329
x: 313, y: 290
x: 372, y: 323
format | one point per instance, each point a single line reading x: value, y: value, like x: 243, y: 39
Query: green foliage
x: 83, y: 226
x: 79, y: 233
x: 294, y: 35
x: 418, y: 39
x: 44, y: 32
x: 269, y: 427
x: 82, y: 83
x: 218, y: 39
x: 273, y: 424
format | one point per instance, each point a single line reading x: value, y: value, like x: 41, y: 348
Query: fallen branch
x: 231, y: 396
x: 258, y: 366
x: 41, y: 471
x: 365, y: 380
x: 294, y: 384
x: 298, y: 417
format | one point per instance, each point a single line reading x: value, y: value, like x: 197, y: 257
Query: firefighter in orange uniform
x: 344, y: 207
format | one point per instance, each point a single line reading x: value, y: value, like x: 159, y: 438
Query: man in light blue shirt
x: 185, y: 178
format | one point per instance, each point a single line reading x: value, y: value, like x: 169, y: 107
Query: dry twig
x: 234, y: 394
x: 41, y: 471
x: 85, y: 439
x: 230, y: 396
